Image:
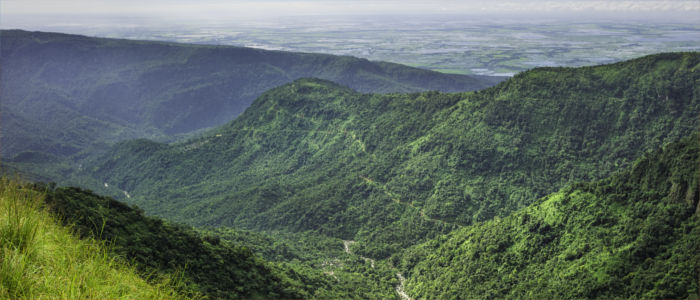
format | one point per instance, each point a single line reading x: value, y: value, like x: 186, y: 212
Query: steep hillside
x: 39, y: 259
x: 393, y: 170
x: 633, y: 235
x: 208, y: 265
x: 209, y: 268
x: 63, y: 94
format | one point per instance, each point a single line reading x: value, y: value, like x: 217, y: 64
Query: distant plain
x: 449, y: 44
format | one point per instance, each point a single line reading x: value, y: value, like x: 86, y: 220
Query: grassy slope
x: 80, y: 93
x: 41, y: 259
x: 214, y: 267
x: 633, y: 235
x: 393, y: 170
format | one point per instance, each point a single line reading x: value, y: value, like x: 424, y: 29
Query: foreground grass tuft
x: 40, y: 259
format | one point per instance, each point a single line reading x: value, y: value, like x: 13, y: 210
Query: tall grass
x: 40, y: 259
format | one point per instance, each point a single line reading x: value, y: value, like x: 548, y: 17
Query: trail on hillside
x: 346, y: 245
x: 126, y: 194
x: 395, y: 198
x: 399, y: 288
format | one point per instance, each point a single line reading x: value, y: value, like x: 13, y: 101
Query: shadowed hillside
x: 63, y: 94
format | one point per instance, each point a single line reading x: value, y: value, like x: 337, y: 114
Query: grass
x: 40, y: 259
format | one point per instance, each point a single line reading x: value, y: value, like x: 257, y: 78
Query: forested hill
x: 43, y: 260
x: 390, y: 171
x: 633, y: 235
x: 61, y: 93
x: 208, y: 267
x: 203, y: 265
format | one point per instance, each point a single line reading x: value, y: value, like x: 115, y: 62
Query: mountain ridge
x: 424, y: 162
x: 144, y: 89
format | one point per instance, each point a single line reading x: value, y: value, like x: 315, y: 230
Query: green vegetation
x: 70, y: 95
x: 457, y: 191
x: 40, y: 259
x: 214, y: 267
x: 283, y: 246
x: 633, y: 235
x: 358, y: 276
x: 390, y: 171
x: 156, y: 246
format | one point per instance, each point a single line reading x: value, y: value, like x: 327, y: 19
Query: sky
x: 16, y: 13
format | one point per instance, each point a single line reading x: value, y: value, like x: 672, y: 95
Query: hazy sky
x: 16, y: 12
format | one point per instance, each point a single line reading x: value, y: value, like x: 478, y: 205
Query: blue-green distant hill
x: 62, y: 94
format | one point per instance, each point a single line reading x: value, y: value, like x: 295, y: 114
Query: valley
x: 270, y: 169
x: 247, y: 173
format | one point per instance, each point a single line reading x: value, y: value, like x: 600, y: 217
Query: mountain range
x: 313, y: 155
x: 62, y: 94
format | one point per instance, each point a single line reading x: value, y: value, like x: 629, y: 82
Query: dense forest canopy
x: 315, y: 155
x: 632, y: 235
